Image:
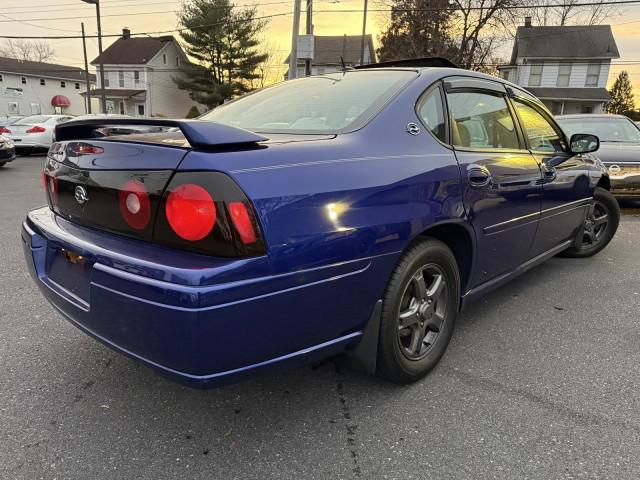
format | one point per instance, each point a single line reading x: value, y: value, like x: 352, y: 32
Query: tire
x: 403, y: 356
x: 2, y: 164
x: 600, y: 225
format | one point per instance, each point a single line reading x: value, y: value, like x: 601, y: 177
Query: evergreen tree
x: 622, y: 95
x: 418, y: 28
x: 223, y: 41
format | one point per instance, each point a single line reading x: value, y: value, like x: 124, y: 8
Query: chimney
x: 527, y: 22
x: 126, y: 33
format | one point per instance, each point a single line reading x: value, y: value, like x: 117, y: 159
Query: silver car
x: 35, y: 131
x: 619, y: 148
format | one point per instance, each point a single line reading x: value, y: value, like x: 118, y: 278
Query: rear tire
x: 2, y: 164
x: 600, y: 225
x: 419, y: 310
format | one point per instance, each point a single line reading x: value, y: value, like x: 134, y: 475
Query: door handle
x: 479, y: 176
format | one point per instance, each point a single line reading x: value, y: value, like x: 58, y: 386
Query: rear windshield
x: 331, y: 103
x: 33, y: 119
x: 619, y: 130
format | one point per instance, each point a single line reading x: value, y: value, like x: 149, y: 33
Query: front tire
x: 419, y: 310
x: 2, y: 164
x: 600, y: 225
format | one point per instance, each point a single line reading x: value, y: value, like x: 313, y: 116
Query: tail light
x: 50, y: 186
x: 77, y: 149
x: 37, y: 129
x: 207, y: 212
x: 135, y: 205
x: 4, y: 130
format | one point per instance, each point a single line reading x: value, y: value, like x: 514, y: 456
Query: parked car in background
x: 35, y: 132
x: 356, y: 211
x: 8, y: 120
x: 7, y: 151
x: 619, y: 148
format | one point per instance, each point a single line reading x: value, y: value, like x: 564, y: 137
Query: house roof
x: 552, y: 93
x: 132, y: 51
x: 568, y: 42
x: 327, y: 50
x: 41, y: 69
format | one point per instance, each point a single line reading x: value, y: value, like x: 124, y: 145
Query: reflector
x: 242, y: 222
x: 135, y: 205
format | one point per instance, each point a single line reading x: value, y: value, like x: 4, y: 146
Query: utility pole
x: 293, y: 57
x: 87, y: 108
x: 104, y: 95
x: 309, y: 31
x: 364, y: 31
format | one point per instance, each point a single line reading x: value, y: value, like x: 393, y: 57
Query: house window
x: 141, y: 109
x: 43, y: 82
x: 77, y: 85
x: 13, y: 108
x: 593, y: 75
x: 110, y: 106
x: 106, y: 81
x: 505, y: 74
x: 587, y: 109
x: 122, y: 112
x: 535, y: 75
x: 1, y: 77
x: 23, y: 80
x: 136, y: 78
x: 177, y: 62
x: 121, y: 79
x: 564, y: 75
x: 164, y: 58
x: 36, y: 109
x: 63, y: 84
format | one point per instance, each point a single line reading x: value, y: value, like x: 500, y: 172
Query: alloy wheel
x: 422, y: 311
x: 595, y: 225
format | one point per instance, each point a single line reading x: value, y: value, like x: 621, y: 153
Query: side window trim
x: 496, y: 93
x: 445, y: 112
x: 544, y: 115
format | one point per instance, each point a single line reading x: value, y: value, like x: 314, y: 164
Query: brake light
x: 191, y: 212
x: 135, y: 205
x: 242, y: 221
x: 4, y: 130
x: 37, y: 129
x: 76, y: 149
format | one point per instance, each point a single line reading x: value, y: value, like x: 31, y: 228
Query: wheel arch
x: 604, y: 182
x: 459, y: 238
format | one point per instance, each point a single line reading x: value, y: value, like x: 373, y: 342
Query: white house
x: 566, y: 67
x: 33, y: 88
x: 139, y: 76
x: 329, y: 53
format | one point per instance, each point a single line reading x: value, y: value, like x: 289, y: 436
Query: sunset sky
x: 52, y: 17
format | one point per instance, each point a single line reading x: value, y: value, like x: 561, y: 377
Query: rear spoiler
x: 199, y: 133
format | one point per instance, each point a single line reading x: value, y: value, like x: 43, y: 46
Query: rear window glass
x: 33, y: 119
x: 611, y: 129
x: 322, y: 104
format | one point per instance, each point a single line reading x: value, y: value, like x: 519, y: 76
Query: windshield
x: 32, y: 120
x: 606, y: 129
x: 322, y: 104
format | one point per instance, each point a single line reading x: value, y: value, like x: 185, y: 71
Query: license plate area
x: 70, y: 271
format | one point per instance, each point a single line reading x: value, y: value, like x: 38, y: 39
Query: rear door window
x: 482, y: 120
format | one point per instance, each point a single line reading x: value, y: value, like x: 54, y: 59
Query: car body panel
x: 336, y: 212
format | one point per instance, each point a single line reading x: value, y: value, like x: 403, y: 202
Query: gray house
x: 566, y: 67
x: 139, y: 76
x: 330, y: 51
x: 34, y: 88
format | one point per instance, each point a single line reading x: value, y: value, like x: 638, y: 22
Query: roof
x: 327, y: 50
x: 596, y: 94
x: 42, y: 69
x: 114, y: 92
x: 132, y: 51
x: 568, y: 42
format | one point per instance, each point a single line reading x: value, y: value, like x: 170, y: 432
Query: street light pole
x: 293, y: 57
x: 364, y: 31
x: 87, y: 78
x: 309, y: 31
x: 104, y: 95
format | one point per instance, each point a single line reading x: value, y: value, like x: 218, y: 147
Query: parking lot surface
x: 541, y: 380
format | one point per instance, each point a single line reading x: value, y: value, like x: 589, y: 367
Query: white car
x: 35, y: 132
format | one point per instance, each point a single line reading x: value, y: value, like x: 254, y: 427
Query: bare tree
x: 570, y: 12
x: 32, y: 50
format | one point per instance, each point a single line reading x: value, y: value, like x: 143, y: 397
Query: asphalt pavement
x: 541, y: 380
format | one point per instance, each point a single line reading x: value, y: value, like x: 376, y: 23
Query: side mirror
x: 584, y: 143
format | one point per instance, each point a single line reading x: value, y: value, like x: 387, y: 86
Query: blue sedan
x: 353, y: 212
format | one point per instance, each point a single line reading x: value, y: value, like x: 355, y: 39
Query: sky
x: 51, y: 17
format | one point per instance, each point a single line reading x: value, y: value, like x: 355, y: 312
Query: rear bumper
x: 201, y: 321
